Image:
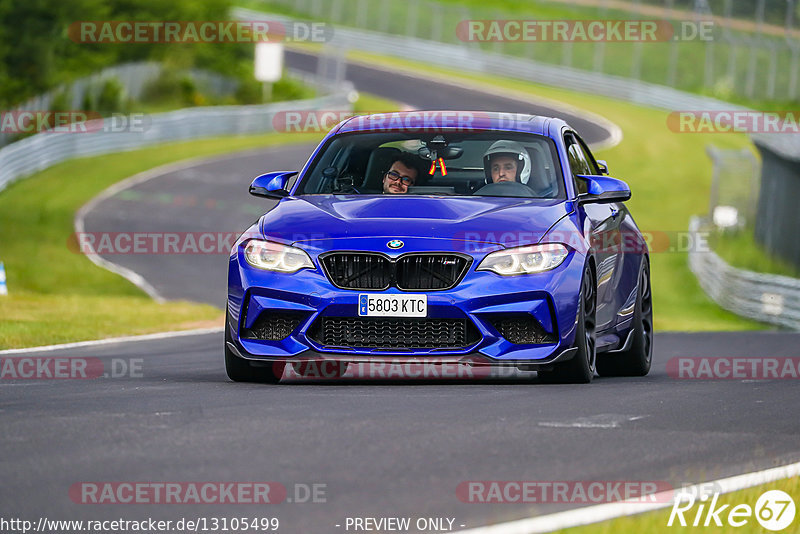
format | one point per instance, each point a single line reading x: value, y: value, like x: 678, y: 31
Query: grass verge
x: 57, y: 296
x: 669, y: 174
x: 657, y: 521
x: 740, y: 249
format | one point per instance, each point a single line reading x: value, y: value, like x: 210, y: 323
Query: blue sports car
x: 473, y: 237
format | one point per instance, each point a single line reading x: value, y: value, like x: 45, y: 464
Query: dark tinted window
x: 357, y: 163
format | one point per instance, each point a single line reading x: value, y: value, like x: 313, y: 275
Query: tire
x: 580, y: 369
x: 637, y: 359
x: 240, y: 370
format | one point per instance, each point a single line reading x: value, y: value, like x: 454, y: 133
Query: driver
x: 401, y: 175
x: 506, y: 161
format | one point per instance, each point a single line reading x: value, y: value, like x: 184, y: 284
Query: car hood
x: 323, y: 221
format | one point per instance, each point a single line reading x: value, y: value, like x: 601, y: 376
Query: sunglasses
x: 395, y: 176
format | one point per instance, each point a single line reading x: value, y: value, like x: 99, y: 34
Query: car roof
x: 435, y: 120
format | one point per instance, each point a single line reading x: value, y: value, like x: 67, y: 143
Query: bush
x: 250, y: 91
x: 110, y: 100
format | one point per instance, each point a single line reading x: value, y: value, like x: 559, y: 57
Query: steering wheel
x: 505, y: 189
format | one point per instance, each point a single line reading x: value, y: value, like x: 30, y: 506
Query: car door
x: 602, y: 223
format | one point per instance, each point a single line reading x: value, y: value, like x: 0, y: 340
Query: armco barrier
x: 765, y: 297
x: 44, y: 150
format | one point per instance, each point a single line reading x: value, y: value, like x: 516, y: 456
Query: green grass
x: 740, y: 249
x: 652, y: 522
x: 687, y: 58
x: 59, y: 296
x: 368, y: 103
x: 669, y: 174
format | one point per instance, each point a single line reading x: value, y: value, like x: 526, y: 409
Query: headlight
x: 275, y: 257
x: 525, y: 260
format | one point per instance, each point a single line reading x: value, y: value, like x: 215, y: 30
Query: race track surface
x: 381, y: 447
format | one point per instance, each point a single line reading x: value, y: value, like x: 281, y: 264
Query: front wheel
x: 580, y: 369
x: 637, y: 359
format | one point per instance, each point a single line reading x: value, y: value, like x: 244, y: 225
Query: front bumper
x: 481, y: 299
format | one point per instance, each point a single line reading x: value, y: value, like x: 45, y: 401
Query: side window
x: 577, y: 162
x: 589, y: 158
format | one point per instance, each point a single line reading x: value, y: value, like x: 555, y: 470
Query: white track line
x: 112, y: 340
x: 132, y: 276
x: 606, y: 511
x: 614, y: 131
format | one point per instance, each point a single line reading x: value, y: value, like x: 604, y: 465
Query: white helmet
x: 513, y: 150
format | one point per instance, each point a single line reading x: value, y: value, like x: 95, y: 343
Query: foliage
x: 37, y: 54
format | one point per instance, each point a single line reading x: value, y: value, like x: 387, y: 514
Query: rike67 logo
x: 774, y: 510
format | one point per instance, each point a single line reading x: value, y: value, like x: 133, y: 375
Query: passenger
x: 401, y: 175
x: 506, y: 161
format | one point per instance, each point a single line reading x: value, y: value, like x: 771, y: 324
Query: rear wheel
x: 580, y: 369
x: 637, y: 359
x: 240, y: 370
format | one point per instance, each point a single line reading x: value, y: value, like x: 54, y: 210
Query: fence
x: 44, y: 150
x: 764, y: 297
x: 132, y: 77
x: 490, y: 63
x: 734, y: 187
x: 754, y: 50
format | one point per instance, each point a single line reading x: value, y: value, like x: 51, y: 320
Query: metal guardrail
x: 43, y: 150
x: 769, y: 298
x: 132, y: 77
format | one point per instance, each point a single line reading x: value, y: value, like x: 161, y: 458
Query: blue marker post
x: 3, y: 287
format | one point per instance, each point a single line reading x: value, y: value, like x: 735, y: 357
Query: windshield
x: 488, y: 163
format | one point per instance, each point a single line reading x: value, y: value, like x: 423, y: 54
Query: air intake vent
x: 394, y: 333
x: 273, y: 326
x: 522, y: 329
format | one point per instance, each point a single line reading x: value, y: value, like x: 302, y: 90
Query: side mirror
x: 603, y: 164
x: 603, y: 190
x: 272, y: 184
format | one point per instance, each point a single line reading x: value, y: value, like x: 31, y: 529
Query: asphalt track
x: 381, y: 447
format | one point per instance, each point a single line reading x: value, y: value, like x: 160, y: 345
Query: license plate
x: 375, y: 305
